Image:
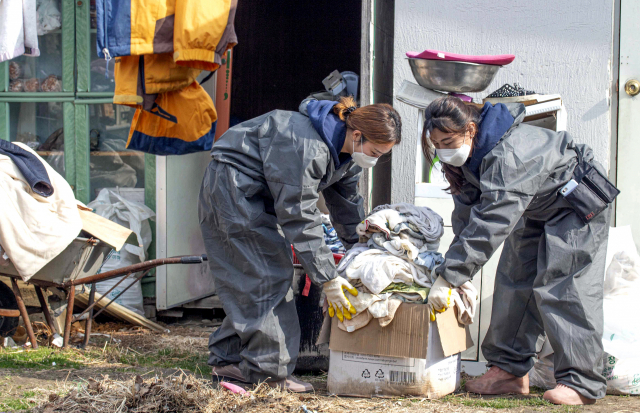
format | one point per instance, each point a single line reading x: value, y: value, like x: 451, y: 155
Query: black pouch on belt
x: 593, y: 193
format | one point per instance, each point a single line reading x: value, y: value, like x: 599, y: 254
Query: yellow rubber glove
x: 338, y: 302
x: 439, y: 298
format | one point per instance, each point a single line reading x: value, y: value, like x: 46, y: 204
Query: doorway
x: 286, y: 48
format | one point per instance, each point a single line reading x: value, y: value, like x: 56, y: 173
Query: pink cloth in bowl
x: 500, y: 60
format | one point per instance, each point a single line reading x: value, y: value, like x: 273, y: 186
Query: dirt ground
x: 39, y: 380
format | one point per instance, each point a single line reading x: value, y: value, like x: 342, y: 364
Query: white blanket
x: 34, y: 229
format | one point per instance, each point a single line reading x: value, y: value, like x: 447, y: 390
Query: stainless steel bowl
x: 449, y: 76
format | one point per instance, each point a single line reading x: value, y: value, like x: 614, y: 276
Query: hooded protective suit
x: 550, y: 274
x: 267, y: 173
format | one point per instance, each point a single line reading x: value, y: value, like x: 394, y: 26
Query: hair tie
x: 350, y: 109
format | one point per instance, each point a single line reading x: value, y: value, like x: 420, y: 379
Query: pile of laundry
x: 331, y: 236
x: 395, y: 262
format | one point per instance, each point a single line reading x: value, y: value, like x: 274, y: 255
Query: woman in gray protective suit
x: 267, y: 173
x: 527, y: 187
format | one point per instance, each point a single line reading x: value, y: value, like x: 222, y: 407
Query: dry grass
x: 186, y: 393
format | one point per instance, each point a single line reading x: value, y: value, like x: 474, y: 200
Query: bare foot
x: 563, y: 394
x: 498, y: 381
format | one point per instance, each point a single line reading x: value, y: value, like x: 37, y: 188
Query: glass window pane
x: 40, y: 126
x: 101, y: 81
x: 111, y: 165
x: 101, y: 76
x: 42, y: 73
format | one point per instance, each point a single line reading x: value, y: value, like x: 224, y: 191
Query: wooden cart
x: 79, y: 264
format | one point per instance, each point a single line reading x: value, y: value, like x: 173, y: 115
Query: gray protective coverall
x: 266, y: 172
x: 550, y: 275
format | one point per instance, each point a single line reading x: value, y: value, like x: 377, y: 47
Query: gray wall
x: 561, y: 47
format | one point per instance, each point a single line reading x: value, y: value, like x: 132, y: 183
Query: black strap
x: 581, y: 166
x: 209, y: 76
x: 579, y: 153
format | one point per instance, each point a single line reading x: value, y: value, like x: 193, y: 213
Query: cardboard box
x: 411, y: 356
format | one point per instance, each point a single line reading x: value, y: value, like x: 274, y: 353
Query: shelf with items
x: 91, y: 153
x: 83, y: 140
x: 117, y: 153
x: 102, y: 130
x: 44, y: 126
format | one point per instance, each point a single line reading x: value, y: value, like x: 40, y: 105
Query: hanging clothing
x: 182, y: 122
x: 549, y: 278
x: 30, y: 28
x: 267, y: 174
x: 157, y: 66
x: 187, y: 29
x: 34, y: 229
x: 139, y: 79
x: 11, y: 30
x: 18, y: 29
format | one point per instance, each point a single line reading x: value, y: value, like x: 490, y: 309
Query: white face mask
x: 454, y: 157
x: 361, y: 159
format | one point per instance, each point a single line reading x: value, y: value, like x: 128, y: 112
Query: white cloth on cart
x: 35, y: 229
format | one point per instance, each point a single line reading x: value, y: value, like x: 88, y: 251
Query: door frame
x: 615, y: 94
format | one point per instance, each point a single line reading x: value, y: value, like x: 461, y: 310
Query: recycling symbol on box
x: 366, y: 374
x: 380, y: 374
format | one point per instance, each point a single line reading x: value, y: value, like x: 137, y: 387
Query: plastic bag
x: 49, y: 17
x: 623, y: 376
x: 621, y: 335
x: 134, y: 216
x: 623, y: 276
x: 131, y: 298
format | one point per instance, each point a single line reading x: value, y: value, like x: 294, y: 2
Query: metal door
x: 628, y: 173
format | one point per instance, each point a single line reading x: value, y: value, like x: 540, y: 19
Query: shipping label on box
x: 369, y: 375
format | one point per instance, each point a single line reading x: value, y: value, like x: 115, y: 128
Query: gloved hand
x: 439, y: 298
x: 338, y: 302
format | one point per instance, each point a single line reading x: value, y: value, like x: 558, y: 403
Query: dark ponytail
x: 449, y: 114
